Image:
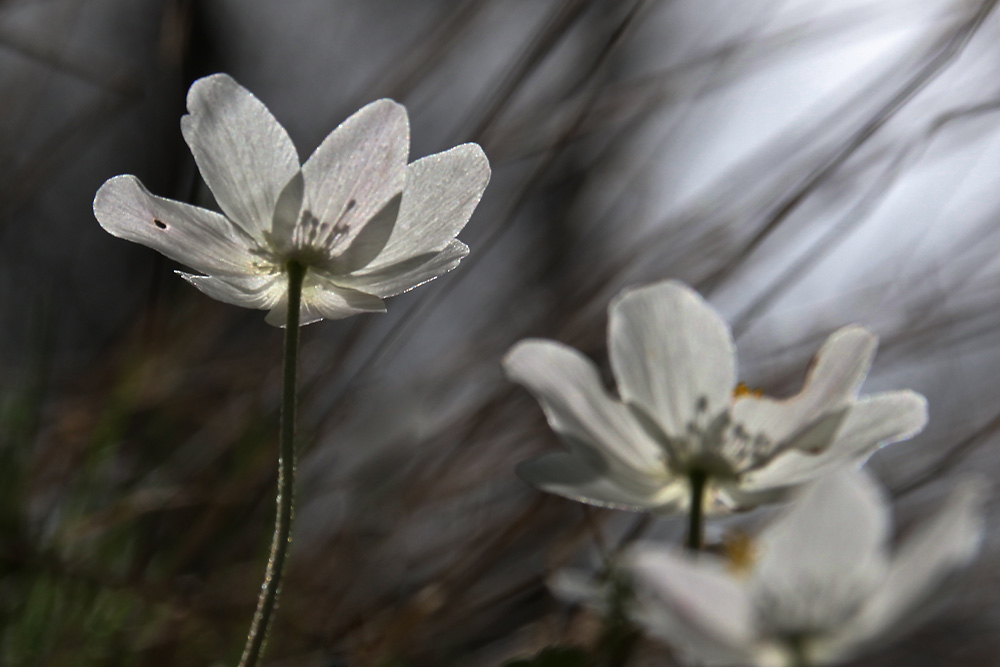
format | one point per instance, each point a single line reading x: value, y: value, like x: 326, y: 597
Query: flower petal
x: 254, y: 291
x: 358, y: 168
x: 442, y: 191
x: 569, y: 476
x: 872, y: 422
x: 193, y: 236
x: 671, y: 354
x: 322, y: 300
x: 833, y: 381
x: 368, y: 243
x: 694, y: 605
x: 577, y: 405
x: 945, y: 542
x: 393, y: 279
x: 242, y: 152
x: 825, y: 552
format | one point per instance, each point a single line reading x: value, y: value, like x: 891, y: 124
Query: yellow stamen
x: 740, y: 551
x: 743, y: 389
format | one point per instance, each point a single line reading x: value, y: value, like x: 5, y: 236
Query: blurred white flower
x: 364, y: 223
x: 820, y: 585
x: 679, y: 412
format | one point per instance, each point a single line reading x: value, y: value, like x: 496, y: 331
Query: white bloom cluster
x: 819, y: 585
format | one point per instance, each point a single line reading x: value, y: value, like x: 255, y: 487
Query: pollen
x: 743, y: 389
x: 740, y: 551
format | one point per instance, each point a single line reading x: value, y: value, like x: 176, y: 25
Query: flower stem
x: 268, y: 599
x: 695, y: 539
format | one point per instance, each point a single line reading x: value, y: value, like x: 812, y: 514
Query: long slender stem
x: 268, y: 599
x: 696, y: 524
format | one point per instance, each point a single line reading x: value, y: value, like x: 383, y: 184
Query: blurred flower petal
x: 571, y: 477
x: 821, y: 588
x: 874, y: 421
x: 671, y: 354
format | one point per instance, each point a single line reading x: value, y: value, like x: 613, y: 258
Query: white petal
x: 694, y: 605
x: 193, y: 236
x: 578, y: 587
x: 243, y: 153
x: 442, y: 191
x: 872, y: 422
x: 367, y: 244
x: 671, y: 354
x: 833, y: 381
x: 945, y: 542
x: 569, y: 476
x: 358, y: 168
x: 393, y: 279
x: 577, y: 405
x: 322, y: 300
x: 254, y: 291
x: 829, y: 545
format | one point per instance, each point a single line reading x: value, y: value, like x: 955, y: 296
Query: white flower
x: 822, y: 588
x: 678, y: 413
x: 364, y: 223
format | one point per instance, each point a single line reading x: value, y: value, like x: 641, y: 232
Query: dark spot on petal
x: 350, y: 205
x: 159, y: 223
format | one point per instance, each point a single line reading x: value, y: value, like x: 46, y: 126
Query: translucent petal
x: 947, y: 541
x: 671, y: 354
x: 442, y: 191
x: 368, y: 243
x: 322, y: 300
x: 872, y: 422
x: 393, y: 279
x: 822, y: 556
x: 833, y: 380
x: 243, y: 153
x: 253, y: 291
x: 695, y: 605
x: 569, y: 476
x: 193, y: 236
x: 358, y: 168
x: 578, y: 407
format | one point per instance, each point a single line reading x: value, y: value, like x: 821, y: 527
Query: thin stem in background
x: 268, y: 599
x: 696, y: 524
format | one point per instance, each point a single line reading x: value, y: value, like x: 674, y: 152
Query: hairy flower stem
x: 696, y: 523
x: 268, y: 599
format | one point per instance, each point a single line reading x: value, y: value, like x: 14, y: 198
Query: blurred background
x: 804, y: 164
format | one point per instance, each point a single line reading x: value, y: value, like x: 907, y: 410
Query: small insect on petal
x: 159, y: 223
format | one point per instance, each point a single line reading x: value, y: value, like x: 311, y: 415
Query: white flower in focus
x: 822, y: 587
x: 364, y: 223
x: 679, y: 413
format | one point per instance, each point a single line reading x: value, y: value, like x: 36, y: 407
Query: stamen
x: 743, y: 389
x: 741, y: 552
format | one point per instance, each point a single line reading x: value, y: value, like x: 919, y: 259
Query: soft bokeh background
x: 804, y: 164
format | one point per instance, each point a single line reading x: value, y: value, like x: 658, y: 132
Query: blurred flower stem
x: 286, y: 476
x: 696, y: 522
